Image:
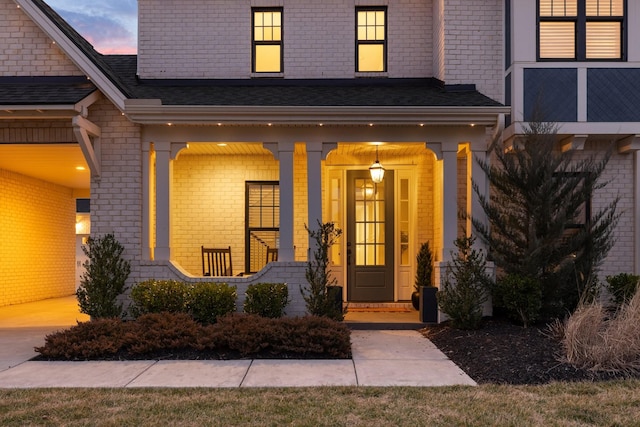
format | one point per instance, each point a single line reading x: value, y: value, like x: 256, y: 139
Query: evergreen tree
x: 537, y: 194
x: 104, y: 278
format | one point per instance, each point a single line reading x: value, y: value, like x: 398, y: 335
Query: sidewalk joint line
x: 155, y: 362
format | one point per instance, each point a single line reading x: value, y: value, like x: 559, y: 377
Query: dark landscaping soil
x: 503, y: 353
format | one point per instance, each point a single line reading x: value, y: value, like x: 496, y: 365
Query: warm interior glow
x: 268, y: 59
x: 557, y: 40
x: 83, y: 223
x: 603, y: 40
x: 371, y: 57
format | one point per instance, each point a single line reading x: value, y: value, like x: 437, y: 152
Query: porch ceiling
x: 55, y: 163
x: 353, y: 149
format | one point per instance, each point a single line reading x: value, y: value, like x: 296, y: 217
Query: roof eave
x: 153, y: 112
x: 73, y: 52
x: 48, y: 111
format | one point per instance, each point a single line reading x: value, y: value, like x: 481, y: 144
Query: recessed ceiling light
x: 80, y: 168
x: 222, y: 144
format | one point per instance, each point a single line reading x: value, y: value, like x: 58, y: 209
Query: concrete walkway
x: 380, y: 358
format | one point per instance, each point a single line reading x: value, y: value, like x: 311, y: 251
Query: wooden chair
x: 272, y: 254
x: 216, y: 262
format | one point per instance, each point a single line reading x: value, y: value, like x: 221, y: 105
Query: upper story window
x: 581, y: 29
x: 371, y: 39
x: 267, y: 40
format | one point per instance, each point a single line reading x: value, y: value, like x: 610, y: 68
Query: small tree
x: 424, y: 268
x: 466, y: 286
x: 320, y: 298
x: 538, y: 196
x: 104, y: 278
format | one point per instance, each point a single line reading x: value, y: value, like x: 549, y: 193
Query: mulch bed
x: 504, y: 353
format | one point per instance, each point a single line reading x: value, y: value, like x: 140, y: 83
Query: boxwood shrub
x: 267, y: 299
x: 205, y: 301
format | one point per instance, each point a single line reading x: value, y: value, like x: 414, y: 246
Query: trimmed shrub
x: 97, y: 338
x: 156, y: 296
x: 155, y: 332
x: 104, y: 278
x: 267, y: 299
x: 622, y: 287
x: 521, y: 297
x: 177, y: 335
x: 465, y: 287
x: 209, y: 300
x: 205, y: 302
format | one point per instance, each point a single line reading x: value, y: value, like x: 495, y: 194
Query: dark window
x: 262, y: 219
x: 581, y: 29
x: 371, y: 39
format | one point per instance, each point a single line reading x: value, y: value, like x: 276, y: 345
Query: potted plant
x: 424, y: 262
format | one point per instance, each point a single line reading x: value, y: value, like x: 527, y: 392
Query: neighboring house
x: 241, y: 121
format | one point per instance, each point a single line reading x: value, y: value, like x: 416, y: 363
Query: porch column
x: 449, y: 198
x: 316, y: 153
x: 283, y: 152
x: 481, y: 182
x: 166, y: 152
x: 147, y: 250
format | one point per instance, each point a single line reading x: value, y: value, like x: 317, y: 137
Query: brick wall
x: 473, y: 37
x: 37, y: 248
x: 25, y: 50
x: 116, y: 198
x: 620, y: 177
x: 209, y: 204
x: 214, y: 39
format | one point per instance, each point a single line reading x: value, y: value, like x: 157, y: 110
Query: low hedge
x: 179, y: 336
x: 267, y: 299
x: 205, y: 301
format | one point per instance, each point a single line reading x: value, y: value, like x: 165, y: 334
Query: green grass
x: 559, y: 404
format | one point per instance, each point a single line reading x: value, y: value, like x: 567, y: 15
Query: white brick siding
x: 473, y: 45
x: 200, y: 39
x: 116, y: 198
x: 37, y: 248
x: 25, y: 50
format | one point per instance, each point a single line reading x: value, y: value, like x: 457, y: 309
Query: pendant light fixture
x: 376, y: 170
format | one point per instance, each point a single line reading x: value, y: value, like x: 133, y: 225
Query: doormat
x: 378, y: 310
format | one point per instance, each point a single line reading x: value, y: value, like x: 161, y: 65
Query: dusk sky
x: 109, y: 25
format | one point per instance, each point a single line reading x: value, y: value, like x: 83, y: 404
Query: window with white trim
x: 581, y: 29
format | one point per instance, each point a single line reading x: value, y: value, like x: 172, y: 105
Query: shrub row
x: 206, y: 301
x: 159, y: 334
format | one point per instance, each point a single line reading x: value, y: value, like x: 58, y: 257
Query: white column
x: 449, y: 198
x: 283, y: 151
x: 164, y: 172
x: 314, y: 184
x: 316, y: 153
x: 166, y: 152
x: 479, y: 178
x: 147, y: 251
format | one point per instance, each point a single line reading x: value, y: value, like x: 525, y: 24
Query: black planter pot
x: 428, y: 305
x: 415, y: 300
x: 334, y: 293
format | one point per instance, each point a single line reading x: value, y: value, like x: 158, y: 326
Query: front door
x: 369, y: 237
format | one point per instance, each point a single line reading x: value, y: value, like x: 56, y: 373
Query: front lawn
x: 557, y: 404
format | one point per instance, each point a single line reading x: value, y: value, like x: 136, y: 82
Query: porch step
x: 378, y: 307
x: 382, y: 316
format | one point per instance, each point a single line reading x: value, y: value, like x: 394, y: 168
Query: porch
x: 215, y: 189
